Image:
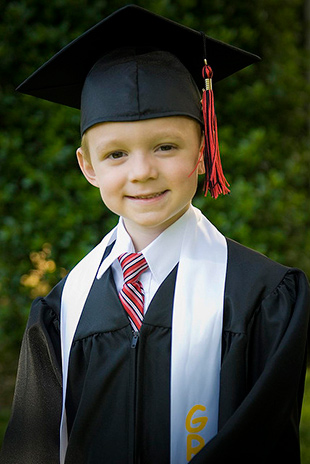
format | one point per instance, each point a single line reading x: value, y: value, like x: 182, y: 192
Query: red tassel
x: 215, y: 180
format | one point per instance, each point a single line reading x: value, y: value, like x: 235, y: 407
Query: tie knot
x: 133, y: 265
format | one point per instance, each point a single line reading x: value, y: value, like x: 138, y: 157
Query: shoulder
x: 48, y: 307
x: 252, y: 272
x: 253, y: 280
x: 252, y: 266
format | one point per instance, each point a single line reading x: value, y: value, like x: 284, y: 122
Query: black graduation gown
x: 118, y: 396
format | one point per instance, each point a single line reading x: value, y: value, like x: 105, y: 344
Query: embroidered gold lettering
x: 193, y: 426
x: 191, y: 450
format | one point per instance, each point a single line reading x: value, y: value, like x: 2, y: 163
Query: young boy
x: 168, y: 342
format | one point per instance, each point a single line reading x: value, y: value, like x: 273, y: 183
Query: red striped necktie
x: 132, y: 294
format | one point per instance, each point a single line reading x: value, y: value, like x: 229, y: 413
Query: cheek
x: 111, y: 185
x: 105, y: 186
x: 106, y: 190
x: 186, y: 174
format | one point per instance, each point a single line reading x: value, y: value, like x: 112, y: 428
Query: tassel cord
x: 215, y: 180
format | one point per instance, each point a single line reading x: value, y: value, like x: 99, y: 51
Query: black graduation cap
x: 134, y: 65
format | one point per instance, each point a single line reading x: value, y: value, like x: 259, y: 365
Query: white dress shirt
x: 162, y: 255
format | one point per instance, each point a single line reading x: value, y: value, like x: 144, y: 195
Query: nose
x: 142, y: 167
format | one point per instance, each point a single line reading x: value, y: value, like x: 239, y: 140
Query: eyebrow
x: 120, y: 142
x: 102, y: 146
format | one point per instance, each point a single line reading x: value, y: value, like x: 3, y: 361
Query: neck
x: 142, y: 238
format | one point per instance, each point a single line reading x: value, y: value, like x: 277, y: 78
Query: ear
x: 86, y: 168
x: 201, y: 164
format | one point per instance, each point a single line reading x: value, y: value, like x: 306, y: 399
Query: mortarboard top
x: 61, y: 78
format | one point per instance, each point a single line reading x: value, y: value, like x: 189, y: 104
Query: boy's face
x: 143, y: 168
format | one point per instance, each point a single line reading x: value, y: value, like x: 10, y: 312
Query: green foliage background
x: 264, y: 122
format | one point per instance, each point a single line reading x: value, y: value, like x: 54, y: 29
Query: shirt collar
x: 123, y: 244
x: 168, y: 242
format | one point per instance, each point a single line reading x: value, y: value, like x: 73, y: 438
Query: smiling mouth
x: 148, y: 197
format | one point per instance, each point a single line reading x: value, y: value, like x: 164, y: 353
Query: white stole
x: 196, y: 338
x: 196, y: 332
x: 74, y: 295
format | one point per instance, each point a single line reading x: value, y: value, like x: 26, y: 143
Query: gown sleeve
x: 32, y: 435
x: 263, y: 371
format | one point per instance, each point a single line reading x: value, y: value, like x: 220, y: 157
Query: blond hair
x: 85, y: 148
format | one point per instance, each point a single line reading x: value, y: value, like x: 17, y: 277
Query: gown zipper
x: 134, y: 347
x: 135, y: 338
